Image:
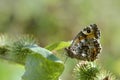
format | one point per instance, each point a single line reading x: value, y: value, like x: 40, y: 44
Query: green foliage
x: 57, y: 45
x: 42, y: 66
x: 40, y: 63
x: 54, y: 20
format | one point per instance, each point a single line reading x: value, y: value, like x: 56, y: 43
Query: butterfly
x: 86, y: 44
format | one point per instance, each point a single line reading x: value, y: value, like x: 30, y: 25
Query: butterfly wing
x: 85, y: 46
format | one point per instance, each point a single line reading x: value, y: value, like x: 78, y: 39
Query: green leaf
x: 42, y: 65
x: 57, y: 45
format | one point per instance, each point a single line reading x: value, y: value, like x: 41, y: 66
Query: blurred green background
x: 60, y: 20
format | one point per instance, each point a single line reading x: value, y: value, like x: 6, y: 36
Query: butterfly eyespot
x: 88, y: 31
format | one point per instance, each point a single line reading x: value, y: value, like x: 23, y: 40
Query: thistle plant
x: 41, y: 64
x: 91, y: 71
